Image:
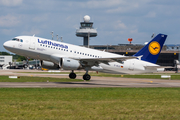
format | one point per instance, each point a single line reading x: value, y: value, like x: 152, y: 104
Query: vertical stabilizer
x: 151, y: 51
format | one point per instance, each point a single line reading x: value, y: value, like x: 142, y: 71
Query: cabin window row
x: 62, y: 49
x: 86, y: 54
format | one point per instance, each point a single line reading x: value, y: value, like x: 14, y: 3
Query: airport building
x: 5, y: 59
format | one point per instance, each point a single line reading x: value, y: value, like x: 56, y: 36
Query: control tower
x: 86, y: 30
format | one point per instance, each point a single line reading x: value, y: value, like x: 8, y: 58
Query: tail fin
x: 151, y: 51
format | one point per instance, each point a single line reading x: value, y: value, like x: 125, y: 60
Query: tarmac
x: 94, y: 82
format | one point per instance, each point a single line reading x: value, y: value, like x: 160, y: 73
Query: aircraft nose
x: 5, y: 45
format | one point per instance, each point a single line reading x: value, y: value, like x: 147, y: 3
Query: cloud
x: 32, y: 31
x: 151, y: 14
x: 120, y: 25
x: 123, y: 8
x: 134, y: 31
x: 103, y: 3
x: 7, y: 31
x: 40, y: 18
x: 9, y: 21
x: 11, y: 2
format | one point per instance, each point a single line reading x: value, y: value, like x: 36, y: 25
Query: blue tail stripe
x: 151, y: 51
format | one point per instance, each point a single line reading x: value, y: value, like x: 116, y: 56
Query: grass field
x: 89, y: 103
x: 36, y: 79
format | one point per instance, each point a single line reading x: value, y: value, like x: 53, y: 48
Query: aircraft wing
x: 96, y: 61
x: 115, y: 59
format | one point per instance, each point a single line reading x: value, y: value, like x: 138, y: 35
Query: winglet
x: 151, y: 51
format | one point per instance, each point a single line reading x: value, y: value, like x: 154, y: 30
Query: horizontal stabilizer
x: 156, y: 67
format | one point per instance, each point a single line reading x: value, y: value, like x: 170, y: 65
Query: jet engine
x: 49, y: 65
x: 70, y: 64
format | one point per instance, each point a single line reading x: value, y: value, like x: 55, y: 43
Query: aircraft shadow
x: 76, y: 83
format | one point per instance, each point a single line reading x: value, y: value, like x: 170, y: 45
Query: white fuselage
x: 44, y: 49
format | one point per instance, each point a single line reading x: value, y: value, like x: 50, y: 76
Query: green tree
x: 4, y: 53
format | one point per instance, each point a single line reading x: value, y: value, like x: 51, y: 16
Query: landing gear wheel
x: 72, y: 75
x: 86, y: 77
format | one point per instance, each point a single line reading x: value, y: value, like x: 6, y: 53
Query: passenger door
x: 32, y: 43
x: 131, y: 65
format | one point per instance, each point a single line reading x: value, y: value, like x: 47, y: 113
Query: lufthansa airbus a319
x: 59, y: 55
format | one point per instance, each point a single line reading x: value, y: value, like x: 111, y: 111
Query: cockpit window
x: 16, y: 39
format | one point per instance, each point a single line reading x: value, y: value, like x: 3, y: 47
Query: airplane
x: 59, y: 55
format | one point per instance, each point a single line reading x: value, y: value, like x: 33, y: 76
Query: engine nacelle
x: 49, y: 65
x: 70, y: 64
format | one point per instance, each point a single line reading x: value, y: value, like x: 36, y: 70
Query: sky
x: 115, y: 20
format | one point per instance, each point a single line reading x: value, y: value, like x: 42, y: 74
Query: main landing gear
x: 72, y: 75
x: 86, y: 76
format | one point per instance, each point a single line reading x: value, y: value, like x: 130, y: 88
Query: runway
x: 94, y: 82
